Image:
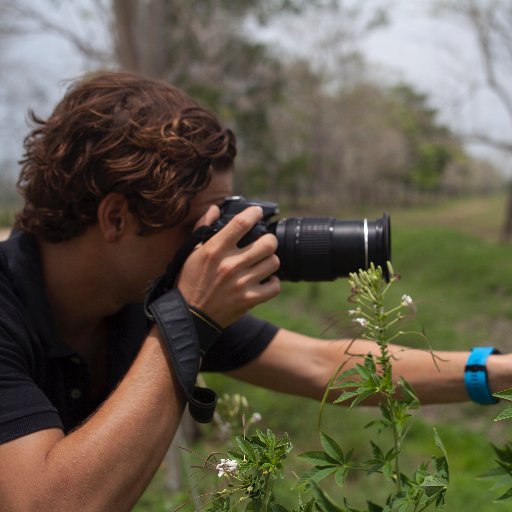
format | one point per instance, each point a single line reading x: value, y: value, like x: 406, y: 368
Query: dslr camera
x: 316, y: 248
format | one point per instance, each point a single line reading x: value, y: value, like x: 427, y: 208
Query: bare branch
x: 45, y: 24
x: 482, y: 138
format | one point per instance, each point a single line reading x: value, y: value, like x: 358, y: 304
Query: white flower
x: 353, y: 312
x: 407, y: 300
x: 226, y: 467
x: 361, y: 321
x: 255, y: 418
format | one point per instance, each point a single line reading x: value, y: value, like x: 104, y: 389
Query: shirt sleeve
x: 24, y: 408
x: 239, y: 344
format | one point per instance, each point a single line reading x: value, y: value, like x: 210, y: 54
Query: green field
x: 453, y: 265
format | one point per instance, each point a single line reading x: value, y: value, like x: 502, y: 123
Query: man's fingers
x: 260, y: 249
x: 238, y: 226
x: 211, y: 215
x: 265, y: 268
x: 264, y: 291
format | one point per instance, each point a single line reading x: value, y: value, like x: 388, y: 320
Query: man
x: 92, y: 385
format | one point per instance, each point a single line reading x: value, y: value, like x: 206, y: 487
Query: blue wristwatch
x: 475, y: 375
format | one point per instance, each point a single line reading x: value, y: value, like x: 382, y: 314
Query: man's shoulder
x: 15, y: 281
x: 10, y: 250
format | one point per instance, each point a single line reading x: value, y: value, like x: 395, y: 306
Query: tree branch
x: 44, y: 24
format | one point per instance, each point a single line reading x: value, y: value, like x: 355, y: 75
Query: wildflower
x: 361, y: 321
x: 353, y: 312
x: 227, y: 467
x: 255, y: 418
x: 408, y: 302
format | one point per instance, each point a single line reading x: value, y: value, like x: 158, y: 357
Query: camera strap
x: 187, y: 332
x: 171, y: 314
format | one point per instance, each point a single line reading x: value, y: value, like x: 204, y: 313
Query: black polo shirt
x: 43, y: 382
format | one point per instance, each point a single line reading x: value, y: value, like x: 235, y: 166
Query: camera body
x: 315, y: 248
x: 233, y: 205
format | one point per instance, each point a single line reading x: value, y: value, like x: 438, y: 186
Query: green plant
x: 374, y: 378
x: 250, y: 473
x: 502, y: 473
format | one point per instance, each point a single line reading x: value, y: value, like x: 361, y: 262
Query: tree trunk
x: 140, y: 35
x: 186, y: 433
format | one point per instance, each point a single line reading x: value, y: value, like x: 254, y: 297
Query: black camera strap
x: 172, y: 315
x: 188, y: 333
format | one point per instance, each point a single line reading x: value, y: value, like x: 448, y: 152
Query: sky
x: 438, y: 58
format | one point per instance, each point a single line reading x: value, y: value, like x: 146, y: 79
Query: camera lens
x: 324, y: 248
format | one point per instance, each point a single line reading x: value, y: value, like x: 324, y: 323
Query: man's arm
x: 105, y: 464
x: 301, y: 365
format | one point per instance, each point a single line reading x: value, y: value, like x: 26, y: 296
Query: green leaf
x: 246, y: 448
x: 504, y: 454
x: 340, y: 476
x: 493, y: 473
x: 439, y: 443
x: 505, y: 497
x: 506, y: 394
x: 268, y: 439
x: 434, y: 484
x: 318, y: 458
x: 409, y: 394
x: 332, y: 448
x: 324, y: 502
x: 346, y: 395
x: 347, y: 384
x: 363, y: 396
x: 308, y: 507
x: 318, y: 473
x: 347, y: 373
x: 505, y: 414
x: 366, y: 373
x: 275, y: 507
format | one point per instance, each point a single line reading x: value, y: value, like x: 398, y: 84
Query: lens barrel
x: 324, y: 248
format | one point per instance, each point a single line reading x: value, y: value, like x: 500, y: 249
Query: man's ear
x: 113, y: 216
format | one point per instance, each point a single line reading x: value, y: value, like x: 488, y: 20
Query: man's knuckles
x: 275, y: 263
x: 267, y: 243
x: 227, y: 267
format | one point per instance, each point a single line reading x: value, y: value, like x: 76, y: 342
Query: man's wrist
x: 476, y: 376
x: 207, y: 329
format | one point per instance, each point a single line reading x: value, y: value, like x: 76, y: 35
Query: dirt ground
x: 4, y: 233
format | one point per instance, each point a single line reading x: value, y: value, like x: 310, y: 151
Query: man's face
x: 151, y: 253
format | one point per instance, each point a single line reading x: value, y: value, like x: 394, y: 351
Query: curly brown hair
x: 118, y: 132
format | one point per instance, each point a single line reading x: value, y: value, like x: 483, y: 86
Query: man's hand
x: 225, y: 281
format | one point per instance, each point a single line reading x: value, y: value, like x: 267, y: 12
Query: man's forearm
x: 107, y: 463
x: 436, y: 376
x: 298, y: 364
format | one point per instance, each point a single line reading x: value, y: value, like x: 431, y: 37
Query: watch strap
x: 475, y: 375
